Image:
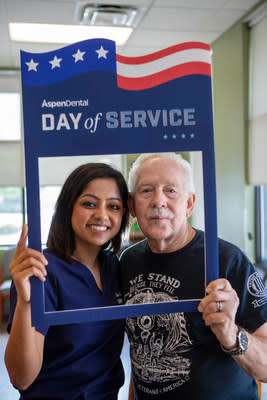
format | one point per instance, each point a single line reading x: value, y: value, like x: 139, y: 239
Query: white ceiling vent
x: 108, y: 14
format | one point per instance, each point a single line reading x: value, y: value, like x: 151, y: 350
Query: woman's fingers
x: 30, y: 265
x: 25, y: 264
x: 21, y: 245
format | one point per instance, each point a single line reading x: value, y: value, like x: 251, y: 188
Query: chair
x: 259, y: 389
x: 5, y: 279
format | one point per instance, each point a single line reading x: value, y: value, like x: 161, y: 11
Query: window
x: 48, y: 198
x: 10, y: 116
x: 12, y: 176
x: 11, y: 214
x: 261, y: 224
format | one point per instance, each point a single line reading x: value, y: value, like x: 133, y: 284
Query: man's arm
x: 222, y: 324
x: 254, y: 360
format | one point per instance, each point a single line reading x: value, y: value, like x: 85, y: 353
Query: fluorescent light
x: 48, y: 33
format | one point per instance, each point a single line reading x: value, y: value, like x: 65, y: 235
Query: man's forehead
x: 149, y: 165
x: 160, y: 170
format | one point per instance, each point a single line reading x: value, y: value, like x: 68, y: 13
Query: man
x: 215, y: 353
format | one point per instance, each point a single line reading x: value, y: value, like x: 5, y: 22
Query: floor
x: 7, y: 392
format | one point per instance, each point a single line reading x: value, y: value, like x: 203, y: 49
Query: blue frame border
x: 181, y: 121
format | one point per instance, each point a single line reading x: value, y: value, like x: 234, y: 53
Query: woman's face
x: 97, y: 213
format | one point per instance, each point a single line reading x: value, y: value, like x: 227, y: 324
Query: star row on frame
x: 55, y: 63
x: 182, y: 136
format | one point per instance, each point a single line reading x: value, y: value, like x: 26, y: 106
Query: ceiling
x: 165, y: 23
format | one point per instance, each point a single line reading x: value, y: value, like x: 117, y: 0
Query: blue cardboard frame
x: 84, y: 99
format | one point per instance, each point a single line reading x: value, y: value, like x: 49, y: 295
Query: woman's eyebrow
x: 98, y: 198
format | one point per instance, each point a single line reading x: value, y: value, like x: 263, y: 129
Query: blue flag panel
x: 84, y: 99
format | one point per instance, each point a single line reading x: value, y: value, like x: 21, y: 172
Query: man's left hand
x: 218, y: 309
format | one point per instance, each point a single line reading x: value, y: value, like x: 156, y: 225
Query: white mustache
x: 159, y: 212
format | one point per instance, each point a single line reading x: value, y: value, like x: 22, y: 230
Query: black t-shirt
x: 175, y: 356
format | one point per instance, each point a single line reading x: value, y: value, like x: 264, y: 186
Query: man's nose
x: 159, y: 198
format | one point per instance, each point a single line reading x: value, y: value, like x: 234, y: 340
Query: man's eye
x: 146, y: 190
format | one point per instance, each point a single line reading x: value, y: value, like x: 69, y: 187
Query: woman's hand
x: 26, y: 263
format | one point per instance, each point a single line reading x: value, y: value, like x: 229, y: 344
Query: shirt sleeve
x: 252, y: 293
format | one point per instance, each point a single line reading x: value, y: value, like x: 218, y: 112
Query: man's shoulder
x: 228, y: 249
x: 134, y: 250
x: 232, y: 259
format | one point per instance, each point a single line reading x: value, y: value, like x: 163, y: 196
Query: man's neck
x: 169, y: 246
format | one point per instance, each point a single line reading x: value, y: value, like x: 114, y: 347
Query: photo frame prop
x: 84, y: 99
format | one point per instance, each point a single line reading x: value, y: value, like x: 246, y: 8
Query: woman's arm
x: 24, y: 351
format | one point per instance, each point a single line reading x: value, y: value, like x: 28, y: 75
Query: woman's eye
x: 88, y: 204
x: 115, y: 207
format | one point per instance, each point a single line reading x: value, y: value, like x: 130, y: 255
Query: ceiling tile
x: 162, y: 39
x: 40, y: 12
x: 190, y: 3
x: 190, y: 20
x: 166, y: 18
x: 240, y: 4
x: 3, y: 32
x: 6, y: 60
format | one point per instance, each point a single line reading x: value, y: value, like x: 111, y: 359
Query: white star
x: 102, y: 52
x: 32, y: 66
x: 55, y: 62
x: 79, y: 55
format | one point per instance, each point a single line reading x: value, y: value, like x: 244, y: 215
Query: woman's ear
x: 131, y: 204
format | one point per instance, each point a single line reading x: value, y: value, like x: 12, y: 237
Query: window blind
x: 258, y: 104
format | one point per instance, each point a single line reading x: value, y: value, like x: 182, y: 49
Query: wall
x: 230, y: 91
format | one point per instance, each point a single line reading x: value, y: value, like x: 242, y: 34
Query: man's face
x: 161, y: 204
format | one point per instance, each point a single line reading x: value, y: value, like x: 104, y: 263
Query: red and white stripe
x: 138, y: 73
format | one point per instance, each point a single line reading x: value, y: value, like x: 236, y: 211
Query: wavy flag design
x: 191, y: 58
x: 133, y: 73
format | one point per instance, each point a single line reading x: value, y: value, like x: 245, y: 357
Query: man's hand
x: 220, y: 294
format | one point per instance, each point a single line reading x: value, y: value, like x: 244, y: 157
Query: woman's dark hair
x: 61, y: 235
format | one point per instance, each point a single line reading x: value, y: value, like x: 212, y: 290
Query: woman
x: 76, y: 361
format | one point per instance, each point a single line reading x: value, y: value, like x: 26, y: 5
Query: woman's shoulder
x: 51, y: 256
x: 55, y: 264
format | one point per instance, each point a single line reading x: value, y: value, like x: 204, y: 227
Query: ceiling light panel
x: 65, y: 34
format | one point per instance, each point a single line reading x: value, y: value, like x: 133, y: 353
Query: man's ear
x: 131, y: 204
x: 190, y: 204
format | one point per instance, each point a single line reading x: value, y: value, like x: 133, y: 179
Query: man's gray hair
x: 180, y: 161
